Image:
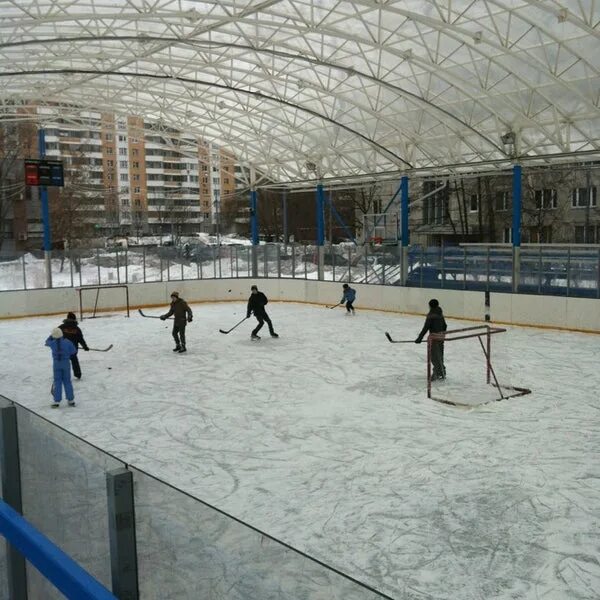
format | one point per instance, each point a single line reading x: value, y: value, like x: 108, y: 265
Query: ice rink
x: 325, y: 439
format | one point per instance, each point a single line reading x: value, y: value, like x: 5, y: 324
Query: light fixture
x: 508, y: 138
x: 563, y: 15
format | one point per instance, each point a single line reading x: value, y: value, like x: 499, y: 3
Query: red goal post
x: 98, y: 289
x: 483, y: 334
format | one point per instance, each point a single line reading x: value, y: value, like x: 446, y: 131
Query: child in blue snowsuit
x: 348, y: 297
x: 62, y: 350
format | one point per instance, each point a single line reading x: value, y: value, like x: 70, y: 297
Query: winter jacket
x: 434, y: 323
x: 256, y: 304
x: 349, y: 295
x: 62, y: 348
x: 72, y: 333
x: 181, y: 311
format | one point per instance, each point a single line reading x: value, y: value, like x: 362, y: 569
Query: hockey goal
x: 96, y: 299
x: 465, y: 349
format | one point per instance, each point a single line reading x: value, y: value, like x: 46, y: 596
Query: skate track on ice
x: 325, y: 439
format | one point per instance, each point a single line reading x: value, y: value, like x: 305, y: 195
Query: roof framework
x: 355, y: 87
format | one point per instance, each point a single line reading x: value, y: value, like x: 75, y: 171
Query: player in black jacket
x: 435, y: 323
x: 72, y: 333
x: 256, y: 305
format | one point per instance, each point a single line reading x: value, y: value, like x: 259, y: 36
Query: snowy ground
x: 325, y: 439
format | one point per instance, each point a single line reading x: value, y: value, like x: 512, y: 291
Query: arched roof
x: 357, y: 86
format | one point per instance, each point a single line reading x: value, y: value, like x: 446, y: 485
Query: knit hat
x: 345, y: 285
x: 254, y: 288
x: 71, y: 316
x: 433, y: 303
x: 57, y: 333
x: 175, y: 294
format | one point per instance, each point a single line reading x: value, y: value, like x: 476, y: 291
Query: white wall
x: 517, y: 309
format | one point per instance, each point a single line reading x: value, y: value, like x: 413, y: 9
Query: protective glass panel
x: 64, y: 497
x: 187, y: 549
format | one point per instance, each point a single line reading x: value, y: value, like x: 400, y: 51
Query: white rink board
x: 325, y: 439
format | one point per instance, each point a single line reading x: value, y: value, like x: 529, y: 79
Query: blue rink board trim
x: 59, y: 568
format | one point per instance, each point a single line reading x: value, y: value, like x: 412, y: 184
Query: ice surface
x: 325, y: 439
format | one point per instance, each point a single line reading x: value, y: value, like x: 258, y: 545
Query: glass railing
x: 554, y: 270
x: 186, y: 548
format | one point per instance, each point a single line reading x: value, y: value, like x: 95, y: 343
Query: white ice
x: 326, y: 440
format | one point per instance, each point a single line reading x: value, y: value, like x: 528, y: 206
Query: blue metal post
x: 516, y: 226
x: 404, y: 230
x: 285, y: 217
x: 320, y: 216
x: 254, y: 231
x: 253, y: 218
x: 45, y: 214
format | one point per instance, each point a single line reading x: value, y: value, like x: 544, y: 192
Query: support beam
x: 45, y: 215
x: 254, y: 230
x: 11, y: 493
x: 404, y: 229
x: 320, y: 230
x: 121, y: 530
x: 517, y: 191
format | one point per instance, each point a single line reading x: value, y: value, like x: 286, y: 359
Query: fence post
x: 24, y: 272
x: 11, y: 493
x: 442, y: 265
x: 540, y: 267
x: 121, y: 532
x: 126, y: 265
x: 98, y: 265
x: 598, y: 276
x: 464, y: 267
x: 487, y: 269
x: 118, y: 268
x: 349, y: 264
x: 71, y: 267
x: 516, y: 227
x: 568, y: 270
x: 278, y: 261
x: 144, y: 262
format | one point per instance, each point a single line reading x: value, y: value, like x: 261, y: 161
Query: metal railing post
x: 278, y: 261
x: 487, y: 269
x: 98, y: 265
x: 568, y: 270
x: 540, y: 267
x: 118, y: 268
x: 294, y: 260
x: 349, y: 264
x: 25, y: 272
x: 464, y: 268
x: 144, y: 263
x: 305, y: 265
x: 71, y: 267
x: 10, y: 471
x: 126, y: 265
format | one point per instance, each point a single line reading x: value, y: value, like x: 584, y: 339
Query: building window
x: 135, y: 152
x: 124, y: 177
x: 125, y: 202
x: 587, y: 234
x: 135, y: 165
x: 136, y: 190
x: 507, y: 235
x: 435, y: 206
x: 109, y: 163
x: 108, y: 137
x: 226, y: 180
x: 136, y: 177
x: 122, y: 138
x: 474, y: 203
x: 502, y: 201
x: 123, y: 164
x: 545, y: 199
x: 540, y: 235
x: 134, y: 140
x: 109, y: 151
x: 580, y: 197
x: 123, y: 151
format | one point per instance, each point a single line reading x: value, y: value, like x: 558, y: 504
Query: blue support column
x: 45, y: 214
x: 516, y: 226
x: 254, y: 231
x: 404, y: 230
x: 320, y: 215
x: 320, y: 230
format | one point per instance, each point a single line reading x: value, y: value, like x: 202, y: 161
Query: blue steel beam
x: 56, y: 566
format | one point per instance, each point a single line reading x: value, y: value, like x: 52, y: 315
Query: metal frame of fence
x: 572, y: 270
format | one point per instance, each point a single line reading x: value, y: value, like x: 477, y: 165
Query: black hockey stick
x: 152, y: 316
x: 236, y: 325
x: 101, y: 349
x: 335, y: 305
x: 389, y: 337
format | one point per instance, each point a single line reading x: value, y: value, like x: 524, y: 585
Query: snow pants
x: 179, y: 332
x: 437, y: 360
x: 75, y: 365
x: 349, y: 306
x: 262, y: 318
x: 62, y: 377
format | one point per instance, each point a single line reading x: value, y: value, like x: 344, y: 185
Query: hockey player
x: 62, y: 350
x: 256, y: 305
x: 72, y: 333
x: 182, y: 315
x: 435, y: 323
x: 348, y: 297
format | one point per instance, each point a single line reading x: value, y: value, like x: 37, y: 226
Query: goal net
x: 100, y: 300
x: 478, y: 367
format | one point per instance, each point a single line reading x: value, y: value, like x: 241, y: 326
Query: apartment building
x: 129, y: 178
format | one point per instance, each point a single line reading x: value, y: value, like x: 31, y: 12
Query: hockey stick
x: 336, y: 305
x: 152, y: 316
x: 101, y: 349
x: 389, y: 337
x: 236, y: 325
